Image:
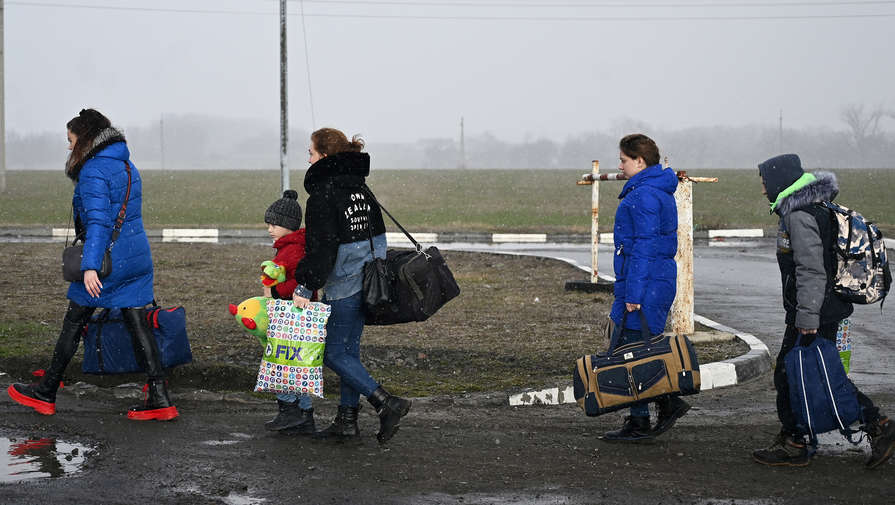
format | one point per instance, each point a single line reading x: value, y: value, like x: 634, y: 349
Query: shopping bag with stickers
x: 293, y: 341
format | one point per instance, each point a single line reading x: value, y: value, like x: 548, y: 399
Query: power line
x: 304, y: 32
x: 468, y: 18
x: 605, y: 18
x: 514, y: 5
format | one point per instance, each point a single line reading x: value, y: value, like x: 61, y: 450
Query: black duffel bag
x: 408, y: 284
x: 421, y: 283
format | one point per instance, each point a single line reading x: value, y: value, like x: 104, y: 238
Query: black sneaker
x: 635, y: 428
x: 670, y: 410
x: 882, y: 443
x: 785, y: 451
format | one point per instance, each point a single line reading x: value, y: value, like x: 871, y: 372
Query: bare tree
x: 864, y: 125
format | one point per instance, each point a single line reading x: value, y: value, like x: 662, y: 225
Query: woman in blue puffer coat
x: 105, y: 180
x: 645, y: 238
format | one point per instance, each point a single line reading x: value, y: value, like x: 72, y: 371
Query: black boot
x: 391, y: 409
x: 343, y: 427
x: 882, y: 441
x: 670, y: 409
x: 293, y: 418
x: 786, y: 450
x: 40, y: 396
x: 635, y: 428
x: 157, y: 405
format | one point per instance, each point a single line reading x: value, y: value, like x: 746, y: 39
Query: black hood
x: 779, y: 172
x: 348, y: 169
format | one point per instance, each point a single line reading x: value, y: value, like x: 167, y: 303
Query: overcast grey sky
x: 515, y: 69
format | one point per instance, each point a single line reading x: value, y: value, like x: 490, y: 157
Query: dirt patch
x: 513, y: 326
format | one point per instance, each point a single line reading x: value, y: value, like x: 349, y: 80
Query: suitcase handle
x: 644, y: 330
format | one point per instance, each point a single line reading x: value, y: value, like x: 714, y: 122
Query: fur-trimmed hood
x: 345, y: 169
x: 105, y: 138
x: 823, y: 189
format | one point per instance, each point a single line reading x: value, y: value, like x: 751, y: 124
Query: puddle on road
x: 731, y: 501
x: 238, y: 499
x: 220, y: 442
x: 240, y: 436
x: 36, y: 458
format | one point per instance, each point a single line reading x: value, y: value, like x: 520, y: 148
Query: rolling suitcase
x: 637, y: 372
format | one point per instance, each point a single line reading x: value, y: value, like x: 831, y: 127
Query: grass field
x: 434, y: 200
x: 514, y: 324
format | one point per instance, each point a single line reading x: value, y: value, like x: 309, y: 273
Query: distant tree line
x: 200, y: 142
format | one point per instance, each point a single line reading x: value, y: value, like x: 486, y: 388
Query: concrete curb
x: 215, y: 235
x: 713, y: 375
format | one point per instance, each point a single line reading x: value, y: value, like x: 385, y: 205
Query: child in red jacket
x: 283, y: 219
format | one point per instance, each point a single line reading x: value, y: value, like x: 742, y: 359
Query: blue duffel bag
x: 821, y: 396
x: 108, y: 348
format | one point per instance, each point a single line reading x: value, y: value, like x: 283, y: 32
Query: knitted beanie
x: 779, y: 172
x: 285, y: 212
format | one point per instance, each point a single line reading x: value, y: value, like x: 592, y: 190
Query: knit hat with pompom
x: 285, y: 212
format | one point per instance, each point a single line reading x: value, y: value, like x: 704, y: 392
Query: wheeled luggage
x: 638, y: 372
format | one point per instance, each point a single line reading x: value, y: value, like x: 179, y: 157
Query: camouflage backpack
x: 863, y: 274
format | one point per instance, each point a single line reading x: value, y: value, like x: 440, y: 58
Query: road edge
x: 717, y: 374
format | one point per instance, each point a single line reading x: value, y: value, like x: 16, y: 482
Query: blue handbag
x: 108, y: 348
x: 821, y: 396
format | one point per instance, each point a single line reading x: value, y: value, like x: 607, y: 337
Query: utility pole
x: 161, y: 138
x: 462, y: 145
x: 780, y: 134
x: 2, y: 111
x: 284, y: 116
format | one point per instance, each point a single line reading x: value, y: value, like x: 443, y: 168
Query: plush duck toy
x: 272, y: 274
x: 251, y: 314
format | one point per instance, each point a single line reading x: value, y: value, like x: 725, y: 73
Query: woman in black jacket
x: 341, y: 220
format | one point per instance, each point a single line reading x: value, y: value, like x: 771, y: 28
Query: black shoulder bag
x: 406, y: 285
x: 72, y: 254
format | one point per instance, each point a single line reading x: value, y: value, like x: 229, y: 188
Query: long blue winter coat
x: 99, y: 193
x: 645, y: 238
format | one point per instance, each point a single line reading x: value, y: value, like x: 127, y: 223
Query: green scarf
x: 800, y: 183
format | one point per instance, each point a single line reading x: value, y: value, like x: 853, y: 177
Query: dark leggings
x: 76, y: 318
x: 784, y: 410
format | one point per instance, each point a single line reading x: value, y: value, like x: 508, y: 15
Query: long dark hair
x: 638, y: 145
x: 87, y: 126
x: 331, y: 141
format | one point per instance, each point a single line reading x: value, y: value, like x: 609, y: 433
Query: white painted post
x: 682, y: 308
x: 2, y: 111
x: 595, y: 221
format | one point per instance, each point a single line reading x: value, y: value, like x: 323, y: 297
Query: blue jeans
x: 304, y: 400
x: 342, y: 351
x: 627, y: 336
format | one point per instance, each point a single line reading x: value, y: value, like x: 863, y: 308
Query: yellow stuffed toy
x: 252, y: 315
